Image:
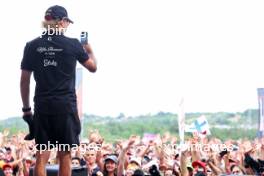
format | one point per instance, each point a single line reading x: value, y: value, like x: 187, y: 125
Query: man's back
x: 52, y: 58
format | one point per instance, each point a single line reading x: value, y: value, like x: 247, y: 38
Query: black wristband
x: 26, y: 109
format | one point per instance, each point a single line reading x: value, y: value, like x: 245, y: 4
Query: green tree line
x: 223, y: 124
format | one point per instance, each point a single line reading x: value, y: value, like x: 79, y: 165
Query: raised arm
x: 91, y: 63
x: 262, y: 149
x: 122, y: 155
x: 183, y: 163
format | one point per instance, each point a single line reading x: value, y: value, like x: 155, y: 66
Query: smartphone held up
x: 84, y: 38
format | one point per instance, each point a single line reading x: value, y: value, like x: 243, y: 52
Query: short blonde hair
x: 51, y: 24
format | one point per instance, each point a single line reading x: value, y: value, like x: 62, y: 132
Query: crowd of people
x: 138, y: 156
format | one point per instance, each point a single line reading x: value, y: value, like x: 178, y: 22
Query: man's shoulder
x: 34, y: 41
x: 72, y: 43
x: 70, y: 39
x: 41, y: 38
x: 42, y: 41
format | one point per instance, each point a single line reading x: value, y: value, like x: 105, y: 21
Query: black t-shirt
x: 52, y: 59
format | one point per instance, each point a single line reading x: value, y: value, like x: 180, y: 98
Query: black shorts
x: 57, y: 130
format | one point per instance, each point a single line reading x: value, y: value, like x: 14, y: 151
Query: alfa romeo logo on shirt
x: 41, y: 49
x: 50, y: 49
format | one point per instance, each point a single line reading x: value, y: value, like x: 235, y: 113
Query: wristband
x: 26, y: 109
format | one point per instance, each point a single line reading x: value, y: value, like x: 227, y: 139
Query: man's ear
x: 60, y: 23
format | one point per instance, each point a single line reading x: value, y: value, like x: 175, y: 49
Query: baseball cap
x: 135, y: 160
x: 199, y: 163
x: 7, y: 165
x: 111, y: 157
x: 57, y: 12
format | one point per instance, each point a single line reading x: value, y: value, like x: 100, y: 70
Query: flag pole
x: 261, y: 112
x: 181, y: 120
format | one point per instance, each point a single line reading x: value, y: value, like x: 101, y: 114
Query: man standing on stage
x: 52, y: 59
